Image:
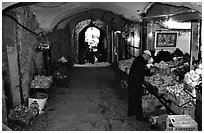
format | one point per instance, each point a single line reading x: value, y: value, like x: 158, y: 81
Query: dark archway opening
x: 83, y: 49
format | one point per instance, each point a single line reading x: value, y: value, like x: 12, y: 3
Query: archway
x: 100, y: 50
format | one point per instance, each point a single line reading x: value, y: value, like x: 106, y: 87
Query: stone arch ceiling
x: 74, y: 10
x: 49, y: 14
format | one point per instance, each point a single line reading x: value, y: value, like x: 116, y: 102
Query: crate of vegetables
x: 41, y: 82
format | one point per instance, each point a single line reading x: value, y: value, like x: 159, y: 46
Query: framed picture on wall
x: 165, y: 39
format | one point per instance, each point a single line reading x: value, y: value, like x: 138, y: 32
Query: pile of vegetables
x: 22, y: 114
x: 159, y: 80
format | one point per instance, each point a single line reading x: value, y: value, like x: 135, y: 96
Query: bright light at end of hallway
x: 92, y: 31
x: 92, y: 35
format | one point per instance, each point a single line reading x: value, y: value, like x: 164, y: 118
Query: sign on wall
x: 165, y: 39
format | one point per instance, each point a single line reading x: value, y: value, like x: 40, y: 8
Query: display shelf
x: 153, y: 90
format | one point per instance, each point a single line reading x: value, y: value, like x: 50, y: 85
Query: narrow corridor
x: 93, y: 102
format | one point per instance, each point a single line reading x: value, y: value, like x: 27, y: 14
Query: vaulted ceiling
x: 52, y: 15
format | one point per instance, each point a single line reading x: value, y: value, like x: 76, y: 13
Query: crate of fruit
x: 181, y: 123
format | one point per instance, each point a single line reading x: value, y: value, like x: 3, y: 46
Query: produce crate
x: 182, y: 110
x: 180, y: 99
x: 180, y: 123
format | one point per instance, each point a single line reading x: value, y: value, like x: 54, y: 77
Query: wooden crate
x: 181, y: 123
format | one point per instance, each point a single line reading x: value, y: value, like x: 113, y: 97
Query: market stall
x: 172, y: 84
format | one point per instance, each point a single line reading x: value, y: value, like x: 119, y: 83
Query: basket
x: 180, y: 123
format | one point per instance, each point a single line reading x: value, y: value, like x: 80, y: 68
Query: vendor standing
x: 135, y: 85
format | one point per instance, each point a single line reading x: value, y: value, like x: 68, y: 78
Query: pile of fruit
x: 41, y: 82
x: 194, y: 77
x: 23, y: 114
x: 124, y: 65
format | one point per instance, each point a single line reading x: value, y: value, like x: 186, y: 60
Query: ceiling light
x: 150, y: 34
x: 172, y: 24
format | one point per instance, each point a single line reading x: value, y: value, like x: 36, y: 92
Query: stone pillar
x: 194, y: 45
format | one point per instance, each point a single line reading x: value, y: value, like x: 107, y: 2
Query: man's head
x: 147, y: 55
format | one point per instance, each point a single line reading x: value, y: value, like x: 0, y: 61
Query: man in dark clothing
x: 135, y: 85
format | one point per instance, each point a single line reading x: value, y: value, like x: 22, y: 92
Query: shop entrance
x: 91, y: 45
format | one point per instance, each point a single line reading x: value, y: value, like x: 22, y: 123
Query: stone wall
x: 27, y: 42
x: 24, y: 44
x: 8, y: 38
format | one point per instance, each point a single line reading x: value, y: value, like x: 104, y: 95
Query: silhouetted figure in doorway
x: 90, y: 56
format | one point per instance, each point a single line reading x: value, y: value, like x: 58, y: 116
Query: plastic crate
x: 182, y: 110
x: 181, y: 123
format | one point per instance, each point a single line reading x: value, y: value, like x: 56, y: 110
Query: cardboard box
x: 181, y: 123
